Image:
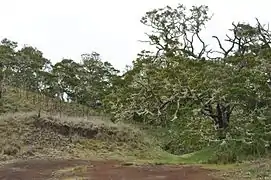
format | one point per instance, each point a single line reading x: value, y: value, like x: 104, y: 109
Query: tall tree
x: 30, y: 68
x: 174, y: 31
x: 7, y: 61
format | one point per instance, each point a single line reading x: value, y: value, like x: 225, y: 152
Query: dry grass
x: 91, y: 128
x: 25, y: 136
x: 21, y: 139
x: 255, y: 170
x: 64, y: 130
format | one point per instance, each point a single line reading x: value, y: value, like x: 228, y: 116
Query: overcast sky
x: 68, y: 28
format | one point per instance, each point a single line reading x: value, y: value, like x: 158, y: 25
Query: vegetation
x: 211, y: 103
x: 197, y: 99
x: 69, y: 137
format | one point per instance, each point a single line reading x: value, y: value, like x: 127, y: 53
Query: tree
x: 7, y: 60
x: 157, y: 87
x: 174, y: 31
x: 245, y: 39
x: 97, y: 77
x: 86, y: 82
x: 30, y: 68
x: 65, y: 78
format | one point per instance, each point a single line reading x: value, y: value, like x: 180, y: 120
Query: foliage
x: 196, y: 100
x: 85, y: 83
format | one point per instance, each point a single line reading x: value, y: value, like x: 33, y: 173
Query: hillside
x: 26, y: 136
x: 68, y: 132
x: 31, y: 137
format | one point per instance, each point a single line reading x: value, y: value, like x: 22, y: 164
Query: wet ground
x: 98, y: 170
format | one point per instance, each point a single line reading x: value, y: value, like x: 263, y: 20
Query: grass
x: 69, y: 137
x: 254, y: 170
x: 199, y: 156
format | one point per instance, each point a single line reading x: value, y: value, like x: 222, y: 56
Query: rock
x: 10, y: 150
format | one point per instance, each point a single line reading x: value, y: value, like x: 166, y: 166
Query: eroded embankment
x: 24, y: 136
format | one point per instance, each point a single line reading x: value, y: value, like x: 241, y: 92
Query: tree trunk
x: 2, y: 83
x: 223, y: 116
x: 220, y: 115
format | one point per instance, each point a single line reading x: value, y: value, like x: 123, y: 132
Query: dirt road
x: 102, y: 170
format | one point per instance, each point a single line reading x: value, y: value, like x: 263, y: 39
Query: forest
x: 191, y: 97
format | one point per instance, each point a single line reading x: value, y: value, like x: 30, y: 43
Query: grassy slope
x: 137, y: 150
x: 26, y: 140
x: 70, y: 137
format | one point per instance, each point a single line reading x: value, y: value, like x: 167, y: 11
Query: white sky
x: 68, y: 28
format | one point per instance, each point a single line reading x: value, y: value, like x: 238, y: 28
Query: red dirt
x: 103, y: 170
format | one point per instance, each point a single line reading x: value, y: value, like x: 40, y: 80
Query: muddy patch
x: 97, y: 170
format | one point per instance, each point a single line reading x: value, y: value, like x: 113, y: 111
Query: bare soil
x: 98, y: 170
